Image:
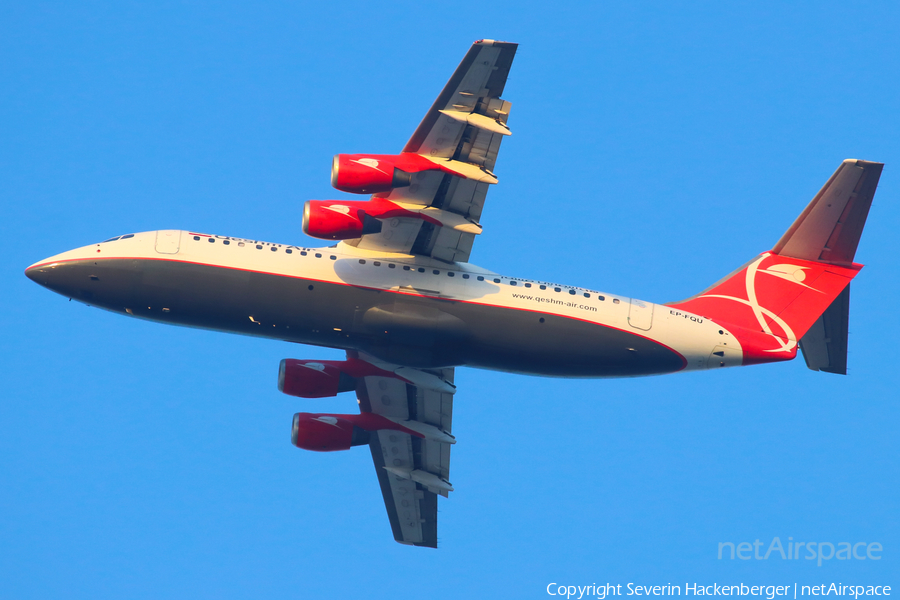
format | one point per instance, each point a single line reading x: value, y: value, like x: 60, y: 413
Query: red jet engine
x: 328, y: 433
x: 324, y: 378
x: 314, y: 378
x: 342, y: 220
x: 378, y: 173
x: 368, y: 174
x: 337, y: 220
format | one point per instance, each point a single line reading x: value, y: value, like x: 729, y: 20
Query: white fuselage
x: 459, y: 290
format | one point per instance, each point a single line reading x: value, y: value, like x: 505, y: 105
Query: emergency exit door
x: 168, y: 241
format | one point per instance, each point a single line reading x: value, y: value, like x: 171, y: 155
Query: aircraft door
x: 640, y: 314
x: 168, y: 241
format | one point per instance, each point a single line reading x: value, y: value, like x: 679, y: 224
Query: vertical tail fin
x: 776, y: 298
x: 830, y: 227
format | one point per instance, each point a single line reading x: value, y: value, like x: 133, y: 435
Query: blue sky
x: 655, y: 148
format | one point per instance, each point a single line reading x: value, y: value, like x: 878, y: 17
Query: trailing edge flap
x: 825, y: 344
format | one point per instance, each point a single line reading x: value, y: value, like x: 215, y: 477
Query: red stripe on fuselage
x: 362, y: 287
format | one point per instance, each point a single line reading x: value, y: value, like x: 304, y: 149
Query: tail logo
x: 794, y: 274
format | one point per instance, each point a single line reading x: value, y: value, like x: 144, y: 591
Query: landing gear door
x: 168, y: 241
x: 640, y: 314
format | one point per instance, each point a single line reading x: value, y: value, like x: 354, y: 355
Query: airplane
x: 397, y: 293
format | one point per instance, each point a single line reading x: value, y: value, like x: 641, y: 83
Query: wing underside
x: 412, y: 471
x: 454, y: 150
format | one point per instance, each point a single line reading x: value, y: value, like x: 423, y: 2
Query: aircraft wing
x: 461, y: 132
x: 412, y: 471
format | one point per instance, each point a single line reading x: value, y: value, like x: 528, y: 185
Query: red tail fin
x: 776, y: 298
x: 774, y: 295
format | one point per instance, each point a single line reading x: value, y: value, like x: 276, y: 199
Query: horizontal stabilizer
x: 830, y: 227
x: 824, y: 346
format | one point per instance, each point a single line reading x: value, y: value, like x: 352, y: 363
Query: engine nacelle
x: 326, y: 433
x: 368, y: 173
x: 337, y: 220
x: 313, y: 378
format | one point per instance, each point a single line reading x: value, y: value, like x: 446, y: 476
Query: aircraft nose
x: 108, y: 283
x: 51, y: 275
x: 37, y: 273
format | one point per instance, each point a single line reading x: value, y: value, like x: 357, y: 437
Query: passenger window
x: 258, y: 247
x: 527, y: 285
x: 317, y: 255
x: 240, y: 244
x: 586, y: 295
x: 288, y: 251
x: 406, y: 267
x: 303, y: 253
x: 362, y: 262
x: 496, y: 280
x: 480, y: 278
x: 572, y: 292
x: 332, y: 257
x: 557, y: 290
x: 274, y: 249
x: 211, y: 240
x: 451, y: 274
x: 421, y: 270
x: 392, y: 266
x: 601, y: 298
x: 196, y: 238
x: 436, y: 272
x: 377, y: 264
x: 465, y: 275
x: 543, y: 287
x: 615, y: 300
x: 226, y: 242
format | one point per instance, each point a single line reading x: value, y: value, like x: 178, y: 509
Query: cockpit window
x: 118, y: 237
